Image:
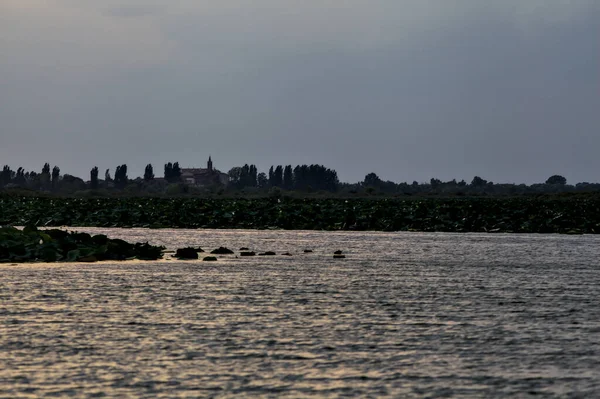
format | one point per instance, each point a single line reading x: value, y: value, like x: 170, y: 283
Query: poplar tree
x: 55, y: 176
x: 94, y: 178
x: 149, y: 173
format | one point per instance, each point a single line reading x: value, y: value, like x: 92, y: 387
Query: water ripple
x: 404, y: 315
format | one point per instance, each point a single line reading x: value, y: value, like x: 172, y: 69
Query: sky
x: 508, y: 90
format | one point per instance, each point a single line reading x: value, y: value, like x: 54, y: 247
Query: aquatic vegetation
x: 31, y: 245
x: 572, y: 215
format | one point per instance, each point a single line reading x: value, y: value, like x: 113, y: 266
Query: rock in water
x: 222, y: 251
x: 339, y: 256
x: 209, y: 258
x: 247, y: 253
x: 338, y: 252
x: 186, y: 253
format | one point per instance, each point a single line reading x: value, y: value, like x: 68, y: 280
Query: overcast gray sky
x: 409, y: 89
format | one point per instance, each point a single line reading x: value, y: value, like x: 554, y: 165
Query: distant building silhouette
x: 204, y: 177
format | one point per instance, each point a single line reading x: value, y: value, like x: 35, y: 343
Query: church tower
x: 209, y: 164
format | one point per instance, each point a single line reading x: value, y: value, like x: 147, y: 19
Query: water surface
x: 404, y: 315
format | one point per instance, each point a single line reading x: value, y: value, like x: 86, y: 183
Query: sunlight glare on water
x: 404, y: 315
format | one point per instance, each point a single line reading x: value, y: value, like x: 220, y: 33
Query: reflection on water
x: 405, y: 314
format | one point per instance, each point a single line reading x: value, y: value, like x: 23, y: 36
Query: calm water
x: 404, y: 315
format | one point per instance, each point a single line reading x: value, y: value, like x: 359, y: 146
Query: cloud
x: 62, y: 39
x: 134, y: 11
x: 409, y: 89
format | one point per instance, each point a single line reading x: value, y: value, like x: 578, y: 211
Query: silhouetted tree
x: 277, y: 177
x: 55, y: 176
x: 107, y: 177
x: 261, y: 180
x: 20, y: 177
x: 244, y: 176
x: 71, y: 184
x: 44, y: 177
x: 176, y: 176
x: 94, y: 178
x: 435, y: 183
x: 478, y: 182
x: 271, y: 176
x: 172, y: 172
x: 316, y: 177
x: 121, y: 176
x: 372, y: 180
x: 168, y: 171
x: 288, y: 177
x: 6, y: 175
x: 556, y: 179
x: 252, y: 176
x: 235, y: 177
x: 149, y: 173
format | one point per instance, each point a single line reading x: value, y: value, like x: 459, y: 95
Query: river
x: 403, y: 315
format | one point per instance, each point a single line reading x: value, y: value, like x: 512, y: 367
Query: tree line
x: 247, y: 179
x: 298, y: 178
x: 52, y: 180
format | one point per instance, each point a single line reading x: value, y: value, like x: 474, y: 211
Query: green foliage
x: 177, y: 189
x: 71, y: 184
x: 33, y: 245
x: 522, y: 214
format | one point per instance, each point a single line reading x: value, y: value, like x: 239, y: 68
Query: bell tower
x: 209, y: 165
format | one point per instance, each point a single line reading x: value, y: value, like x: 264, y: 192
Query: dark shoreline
x: 555, y: 214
